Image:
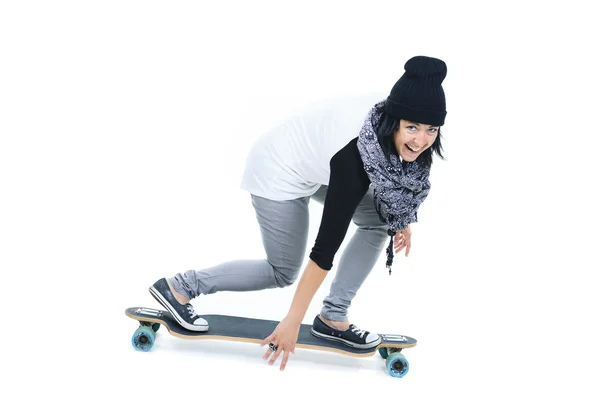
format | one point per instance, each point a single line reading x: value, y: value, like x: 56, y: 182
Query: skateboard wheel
x: 396, y: 365
x: 383, y: 352
x: 143, y: 338
x: 154, y: 326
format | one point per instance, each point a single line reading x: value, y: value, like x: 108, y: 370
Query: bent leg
x: 356, y: 261
x: 284, y: 231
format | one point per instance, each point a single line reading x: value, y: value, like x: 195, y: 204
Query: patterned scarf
x: 399, y: 187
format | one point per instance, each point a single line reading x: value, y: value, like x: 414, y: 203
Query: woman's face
x: 412, y: 138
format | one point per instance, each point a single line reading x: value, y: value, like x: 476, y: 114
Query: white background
x: 124, y: 128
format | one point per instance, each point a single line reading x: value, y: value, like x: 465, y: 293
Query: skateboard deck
x: 252, y: 330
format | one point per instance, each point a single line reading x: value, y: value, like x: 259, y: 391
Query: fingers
x: 282, y: 340
x: 269, y: 350
x: 406, y: 245
x: 275, y: 355
x: 278, y: 350
x: 398, y: 238
x: 400, y: 243
x: 267, y: 340
x: 284, y: 360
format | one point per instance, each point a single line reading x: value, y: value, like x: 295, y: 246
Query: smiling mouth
x: 413, y: 149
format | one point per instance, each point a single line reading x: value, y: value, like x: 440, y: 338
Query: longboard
x: 253, y: 330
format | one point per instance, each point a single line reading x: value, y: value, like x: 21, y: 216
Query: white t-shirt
x: 292, y: 160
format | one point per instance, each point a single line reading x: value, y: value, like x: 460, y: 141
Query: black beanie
x: 418, y: 95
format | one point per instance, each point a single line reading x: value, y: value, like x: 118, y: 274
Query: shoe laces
x: 191, y: 311
x: 359, y: 332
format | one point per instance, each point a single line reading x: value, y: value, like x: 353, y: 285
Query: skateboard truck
x: 394, y: 338
x: 148, y: 311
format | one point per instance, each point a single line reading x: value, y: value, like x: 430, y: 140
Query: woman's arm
x: 348, y: 184
x: 308, y: 285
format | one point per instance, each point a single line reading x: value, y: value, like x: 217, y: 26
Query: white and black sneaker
x: 352, y: 337
x: 183, y: 313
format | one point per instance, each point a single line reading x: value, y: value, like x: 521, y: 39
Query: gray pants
x: 284, y: 230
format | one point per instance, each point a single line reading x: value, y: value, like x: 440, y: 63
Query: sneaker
x: 352, y: 337
x: 183, y: 313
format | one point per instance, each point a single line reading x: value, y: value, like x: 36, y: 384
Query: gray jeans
x: 284, y: 230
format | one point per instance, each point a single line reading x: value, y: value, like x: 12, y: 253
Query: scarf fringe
x: 390, y: 252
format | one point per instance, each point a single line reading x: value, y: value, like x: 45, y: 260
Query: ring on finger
x: 273, y: 346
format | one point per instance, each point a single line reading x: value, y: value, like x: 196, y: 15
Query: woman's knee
x: 376, y: 234
x: 377, y: 228
x: 285, y: 276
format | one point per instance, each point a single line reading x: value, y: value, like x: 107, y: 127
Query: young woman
x: 367, y: 160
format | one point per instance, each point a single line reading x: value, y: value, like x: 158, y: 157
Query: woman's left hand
x: 402, y: 240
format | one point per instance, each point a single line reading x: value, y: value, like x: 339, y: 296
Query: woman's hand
x: 284, y: 337
x: 402, y: 240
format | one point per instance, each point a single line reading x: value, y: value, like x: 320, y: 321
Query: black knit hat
x: 418, y: 95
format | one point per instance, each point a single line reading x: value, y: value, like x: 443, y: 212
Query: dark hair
x: 385, y: 127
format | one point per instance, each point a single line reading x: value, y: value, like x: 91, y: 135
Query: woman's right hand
x: 402, y: 240
x: 284, y: 337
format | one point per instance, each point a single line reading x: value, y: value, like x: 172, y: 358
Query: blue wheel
x: 396, y: 365
x: 384, y: 352
x: 155, y: 326
x: 143, y: 338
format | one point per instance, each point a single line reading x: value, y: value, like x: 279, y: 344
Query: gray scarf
x: 399, y: 187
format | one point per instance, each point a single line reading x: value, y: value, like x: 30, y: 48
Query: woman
x: 367, y: 160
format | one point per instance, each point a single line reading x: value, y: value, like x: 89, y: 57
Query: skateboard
x: 252, y: 330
